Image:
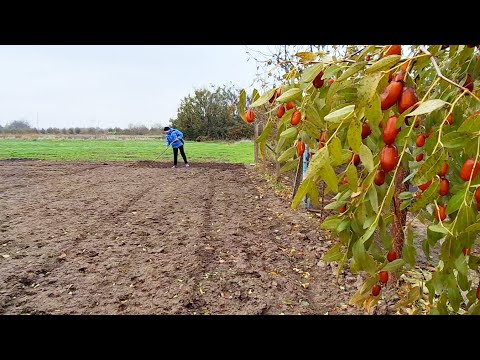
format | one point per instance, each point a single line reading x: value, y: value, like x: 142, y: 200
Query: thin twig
x: 439, y: 73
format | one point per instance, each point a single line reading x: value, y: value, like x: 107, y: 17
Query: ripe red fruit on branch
x: 469, y: 83
x: 318, y: 81
x: 468, y: 167
x: 250, y: 115
x: 440, y: 213
x: 300, y: 148
x: 391, y: 256
x: 323, y: 139
x: 443, y: 170
x: 425, y: 186
x: 390, y: 94
x: 356, y: 159
x: 390, y: 132
x: 379, y: 177
x: 478, y: 293
x: 419, y: 157
x: 275, y: 95
x: 366, y: 129
x: 405, y: 66
x: 388, y: 158
x: 280, y: 111
x: 449, y: 120
x: 343, y: 209
x: 295, y: 118
x: 477, y: 197
x: 383, y: 276
x: 400, y: 76
x: 290, y: 105
x: 407, y: 98
x: 466, y: 251
x: 393, y: 50
x: 376, y: 289
x: 444, y: 187
x: 420, y: 140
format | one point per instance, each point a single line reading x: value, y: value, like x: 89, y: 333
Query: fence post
x: 306, y: 203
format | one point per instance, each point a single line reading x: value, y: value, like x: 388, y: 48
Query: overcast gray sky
x: 108, y: 86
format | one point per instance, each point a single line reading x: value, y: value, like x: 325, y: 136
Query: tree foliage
x: 380, y: 120
x: 211, y: 114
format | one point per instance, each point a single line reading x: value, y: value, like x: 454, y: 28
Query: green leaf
x: 352, y: 177
x: 426, y: 249
x: 288, y: 154
x: 388, y: 197
x: 242, y: 102
x: 263, y: 99
x: 409, y: 254
x: 455, y: 201
x: 466, y: 217
x: 318, y: 161
x: 455, y: 298
x: 368, y: 234
x: 367, y: 91
x: 314, y: 196
x: 430, y: 168
x: 470, y: 125
x: 255, y: 95
x: 311, y: 73
x: 438, y: 228
x: 291, y: 132
x: 427, y: 107
x: 366, y: 157
x: 394, y: 265
x: 352, y: 70
x: 463, y: 282
x: 302, y: 191
x: 333, y: 254
x: 328, y: 175
x: 363, y: 259
x: 354, y: 135
x: 384, y: 63
x: 461, y: 265
x: 427, y: 197
x: 474, y: 227
x: 373, y: 111
x: 311, y: 115
x: 344, y: 224
x: 289, y: 165
x: 406, y: 195
x: 335, y: 150
x: 331, y: 223
x: 369, y: 221
x: 306, y: 55
x: 289, y: 95
x: 330, y: 71
x: 268, y: 129
x: 340, y: 114
x: 373, y: 197
x: 455, y: 140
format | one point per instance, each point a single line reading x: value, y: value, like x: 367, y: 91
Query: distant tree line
x: 208, y: 114
x: 23, y: 127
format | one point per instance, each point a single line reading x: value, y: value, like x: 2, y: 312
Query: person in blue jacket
x: 175, y: 138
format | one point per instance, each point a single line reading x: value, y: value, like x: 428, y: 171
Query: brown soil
x: 142, y: 238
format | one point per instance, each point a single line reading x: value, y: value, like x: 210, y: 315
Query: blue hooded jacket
x: 174, y: 134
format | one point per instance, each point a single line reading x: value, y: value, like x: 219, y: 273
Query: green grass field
x: 121, y: 150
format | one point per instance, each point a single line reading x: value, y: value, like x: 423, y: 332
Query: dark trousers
x: 175, y: 155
